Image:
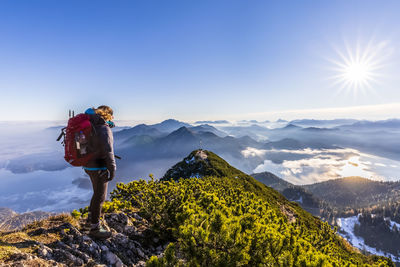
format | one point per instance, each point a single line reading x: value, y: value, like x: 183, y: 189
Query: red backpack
x: 77, y: 137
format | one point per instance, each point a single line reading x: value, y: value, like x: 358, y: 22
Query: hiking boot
x: 99, y: 233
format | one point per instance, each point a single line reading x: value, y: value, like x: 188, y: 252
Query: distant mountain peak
x: 246, y: 138
x: 170, y: 121
x: 142, y: 125
x: 207, y: 128
x: 170, y: 125
x: 182, y: 131
x: 291, y: 126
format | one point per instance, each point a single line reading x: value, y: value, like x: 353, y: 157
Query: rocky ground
x: 62, y: 241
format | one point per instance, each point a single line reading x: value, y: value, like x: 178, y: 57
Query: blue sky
x: 194, y: 60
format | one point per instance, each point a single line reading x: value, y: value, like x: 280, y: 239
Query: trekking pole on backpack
x: 71, y: 114
x: 61, y: 134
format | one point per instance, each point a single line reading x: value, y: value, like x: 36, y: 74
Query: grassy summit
x: 201, y: 163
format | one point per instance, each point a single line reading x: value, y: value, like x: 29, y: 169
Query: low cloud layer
x: 251, y: 152
x: 43, y: 190
x: 317, y: 165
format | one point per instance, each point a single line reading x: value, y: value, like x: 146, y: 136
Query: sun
x: 357, y: 72
x: 358, y: 69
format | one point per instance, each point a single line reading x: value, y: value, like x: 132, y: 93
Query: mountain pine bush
x: 223, y: 221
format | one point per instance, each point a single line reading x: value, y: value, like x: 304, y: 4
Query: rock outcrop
x: 62, y: 241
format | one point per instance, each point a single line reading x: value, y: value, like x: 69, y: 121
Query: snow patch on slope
x: 392, y: 223
x: 347, y: 226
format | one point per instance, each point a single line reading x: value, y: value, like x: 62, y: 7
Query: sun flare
x: 357, y: 69
x: 356, y: 73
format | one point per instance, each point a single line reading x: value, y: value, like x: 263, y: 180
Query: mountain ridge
x: 354, y: 191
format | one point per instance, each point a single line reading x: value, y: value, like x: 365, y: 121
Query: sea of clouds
x: 308, y: 166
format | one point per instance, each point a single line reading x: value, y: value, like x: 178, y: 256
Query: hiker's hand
x: 111, y: 175
x: 104, y: 174
x: 107, y: 175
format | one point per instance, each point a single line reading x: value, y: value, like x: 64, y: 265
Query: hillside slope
x: 292, y: 192
x: 272, y: 180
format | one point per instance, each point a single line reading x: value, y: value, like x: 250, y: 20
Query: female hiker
x: 101, y: 168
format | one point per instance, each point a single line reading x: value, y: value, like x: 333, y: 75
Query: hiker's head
x: 105, y: 112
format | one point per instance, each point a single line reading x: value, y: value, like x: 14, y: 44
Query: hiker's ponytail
x: 105, y: 112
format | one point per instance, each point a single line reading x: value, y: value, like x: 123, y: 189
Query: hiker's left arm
x: 108, y: 143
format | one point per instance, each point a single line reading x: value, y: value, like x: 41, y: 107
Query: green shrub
x: 76, y: 214
x: 217, y: 221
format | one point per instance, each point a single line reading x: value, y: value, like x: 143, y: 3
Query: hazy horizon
x: 133, y: 122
